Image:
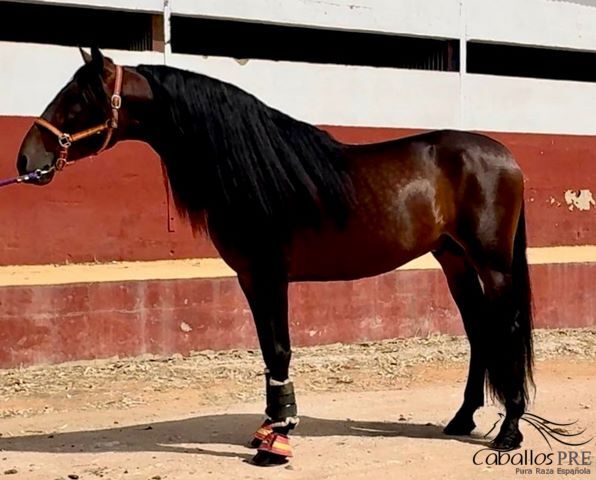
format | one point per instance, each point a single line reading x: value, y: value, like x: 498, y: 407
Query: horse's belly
x: 345, y: 257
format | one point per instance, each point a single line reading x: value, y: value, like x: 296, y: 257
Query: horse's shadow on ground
x: 187, y: 435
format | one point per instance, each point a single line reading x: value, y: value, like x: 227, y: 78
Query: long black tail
x: 510, y: 371
x: 523, y: 292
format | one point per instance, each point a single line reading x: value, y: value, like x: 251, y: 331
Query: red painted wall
x: 114, y: 207
x: 98, y: 320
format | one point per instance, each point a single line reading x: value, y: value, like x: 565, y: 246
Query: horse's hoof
x: 261, y: 434
x: 507, y: 441
x: 268, y: 459
x: 275, y: 449
x: 459, y: 426
x: 255, y: 443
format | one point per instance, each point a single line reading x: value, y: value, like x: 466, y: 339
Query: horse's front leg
x: 267, y: 295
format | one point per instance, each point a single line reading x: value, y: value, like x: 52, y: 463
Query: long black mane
x: 229, y: 154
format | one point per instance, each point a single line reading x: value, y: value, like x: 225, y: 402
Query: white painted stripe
x: 23, y: 275
x: 33, y: 74
x: 335, y: 94
x: 536, y: 256
x: 340, y: 94
x: 507, y: 104
x: 577, y: 254
x: 384, y: 97
x: 114, y: 272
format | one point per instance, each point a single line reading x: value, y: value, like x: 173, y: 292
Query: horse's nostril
x: 22, y: 163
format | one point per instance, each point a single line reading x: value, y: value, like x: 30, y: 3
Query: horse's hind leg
x: 506, y: 362
x: 467, y: 292
x: 500, y: 260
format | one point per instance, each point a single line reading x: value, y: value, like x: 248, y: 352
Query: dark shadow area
x: 232, y: 429
x: 251, y: 40
x: 74, y: 26
x: 531, y: 62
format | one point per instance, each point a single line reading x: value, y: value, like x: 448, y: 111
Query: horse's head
x: 83, y: 119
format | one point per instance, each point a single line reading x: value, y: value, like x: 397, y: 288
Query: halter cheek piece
x: 65, y: 140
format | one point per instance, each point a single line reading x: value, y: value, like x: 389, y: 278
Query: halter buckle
x: 116, y: 101
x: 65, y: 140
x: 60, y: 163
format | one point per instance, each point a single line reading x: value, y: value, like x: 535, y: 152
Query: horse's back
x: 449, y: 141
x: 461, y: 161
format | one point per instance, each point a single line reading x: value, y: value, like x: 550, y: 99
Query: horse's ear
x: 86, y: 57
x: 97, y: 58
x: 100, y: 63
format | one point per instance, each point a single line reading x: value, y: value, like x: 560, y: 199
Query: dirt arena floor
x: 372, y: 410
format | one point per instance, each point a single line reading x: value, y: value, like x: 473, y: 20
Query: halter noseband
x: 65, y: 140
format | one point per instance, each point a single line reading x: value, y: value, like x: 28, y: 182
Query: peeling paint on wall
x: 580, y: 199
x: 553, y: 201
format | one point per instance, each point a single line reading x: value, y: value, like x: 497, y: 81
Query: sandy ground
x: 373, y: 410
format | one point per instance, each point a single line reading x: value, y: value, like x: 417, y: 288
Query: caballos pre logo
x: 560, y: 462
x: 527, y: 462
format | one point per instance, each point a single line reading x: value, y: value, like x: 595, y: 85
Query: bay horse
x: 285, y: 202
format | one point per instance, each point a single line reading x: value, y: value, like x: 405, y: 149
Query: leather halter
x: 65, y: 140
